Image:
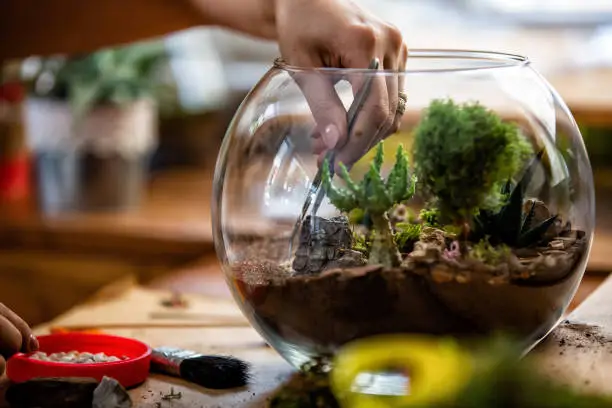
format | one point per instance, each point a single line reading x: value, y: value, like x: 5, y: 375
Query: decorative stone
x: 349, y: 258
x: 321, y: 242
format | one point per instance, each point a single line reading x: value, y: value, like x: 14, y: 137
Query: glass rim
x: 488, y: 60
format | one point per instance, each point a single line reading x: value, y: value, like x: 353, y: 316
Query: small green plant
x: 361, y: 243
x: 463, y: 152
x: 375, y: 196
x: 511, y: 225
x: 430, y: 217
x: 488, y: 254
x: 109, y: 76
x: 406, y: 235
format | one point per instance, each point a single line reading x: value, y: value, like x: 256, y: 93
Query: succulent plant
x: 462, y: 154
x: 375, y: 197
x: 511, y: 225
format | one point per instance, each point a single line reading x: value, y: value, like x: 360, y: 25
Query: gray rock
x: 321, y: 242
x: 110, y: 394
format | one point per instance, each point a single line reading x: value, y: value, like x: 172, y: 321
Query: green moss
x: 430, y: 217
x: 452, y: 231
x: 486, y: 253
x: 406, y: 235
x: 361, y: 243
x: 463, y: 153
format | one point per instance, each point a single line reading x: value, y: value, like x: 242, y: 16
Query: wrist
x: 269, y: 18
x: 252, y: 17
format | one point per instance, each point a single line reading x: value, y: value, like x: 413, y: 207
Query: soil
x: 318, y: 308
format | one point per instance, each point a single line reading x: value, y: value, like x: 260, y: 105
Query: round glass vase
x: 494, y: 239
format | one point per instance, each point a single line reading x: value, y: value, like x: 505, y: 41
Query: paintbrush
x: 209, y: 371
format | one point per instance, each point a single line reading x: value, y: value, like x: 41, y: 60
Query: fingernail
x: 33, y: 343
x: 330, y: 136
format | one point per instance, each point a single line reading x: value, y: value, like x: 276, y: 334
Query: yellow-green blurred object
x: 438, y: 369
x: 389, y: 149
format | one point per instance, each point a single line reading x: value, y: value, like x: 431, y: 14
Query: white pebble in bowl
x: 75, y: 357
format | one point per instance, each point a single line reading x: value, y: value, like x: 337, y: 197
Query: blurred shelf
x: 173, y: 222
x: 582, y: 91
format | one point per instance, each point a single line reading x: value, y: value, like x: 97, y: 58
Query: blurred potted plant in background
x: 92, y: 122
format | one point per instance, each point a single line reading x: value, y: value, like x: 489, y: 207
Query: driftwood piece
x: 52, y: 392
x: 68, y: 393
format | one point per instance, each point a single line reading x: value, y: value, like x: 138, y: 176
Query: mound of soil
x: 324, y: 305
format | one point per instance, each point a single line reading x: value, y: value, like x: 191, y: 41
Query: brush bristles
x: 216, y: 372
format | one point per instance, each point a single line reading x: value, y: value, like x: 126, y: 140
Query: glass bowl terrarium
x: 475, y: 217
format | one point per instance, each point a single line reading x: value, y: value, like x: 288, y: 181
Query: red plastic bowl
x: 129, y: 373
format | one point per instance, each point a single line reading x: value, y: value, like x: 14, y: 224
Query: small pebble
x: 75, y: 357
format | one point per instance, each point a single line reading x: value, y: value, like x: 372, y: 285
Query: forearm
x: 252, y: 17
x: 44, y: 27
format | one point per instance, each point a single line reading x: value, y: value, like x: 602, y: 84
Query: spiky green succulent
x: 375, y: 196
x: 511, y: 225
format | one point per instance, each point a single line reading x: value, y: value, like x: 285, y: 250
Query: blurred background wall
x: 70, y: 225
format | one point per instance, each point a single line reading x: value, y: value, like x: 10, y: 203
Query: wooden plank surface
x: 561, y: 356
x: 579, y: 351
x: 269, y: 369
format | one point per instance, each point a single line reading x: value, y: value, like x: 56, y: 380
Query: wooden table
x: 212, y: 323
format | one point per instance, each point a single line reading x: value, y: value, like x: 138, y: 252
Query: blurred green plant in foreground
x: 442, y: 374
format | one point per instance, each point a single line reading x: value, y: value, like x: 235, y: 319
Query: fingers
x: 15, y: 334
x: 2, y: 365
x: 10, y: 338
x: 371, y: 123
x: 327, y: 109
x: 397, y: 116
x: 392, y: 63
x: 360, y: 40
x: 378, y: 117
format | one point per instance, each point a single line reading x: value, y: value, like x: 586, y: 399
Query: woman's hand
x: 15, y: 336
x: 338, y: 33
